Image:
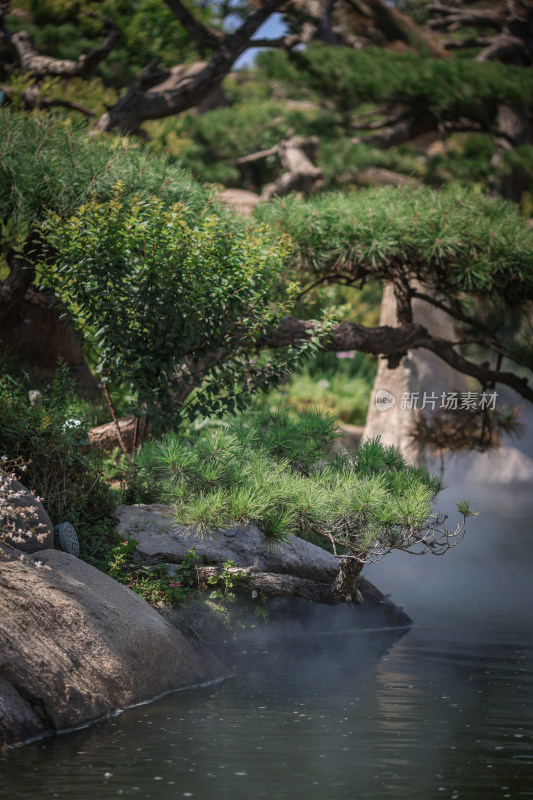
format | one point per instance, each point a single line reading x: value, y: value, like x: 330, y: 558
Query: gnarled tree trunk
x: 344, y: 588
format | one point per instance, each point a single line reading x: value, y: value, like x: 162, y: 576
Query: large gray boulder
x: 160, y: 539
x: 76, y: 645
x: 28, y: 515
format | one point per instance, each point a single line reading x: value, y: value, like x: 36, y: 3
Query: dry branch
x: 41, y: 66
x: 511, y: 20
x: 32, y: 99
x: 300, y: 174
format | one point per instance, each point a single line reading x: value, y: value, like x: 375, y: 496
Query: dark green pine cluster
x: 451, y: 87
x: 277, y: 471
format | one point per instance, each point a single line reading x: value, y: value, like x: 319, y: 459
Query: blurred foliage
x: 148, y: 30
x: 49, y: 165
x: 340, y: 384
x: 452, y: 87
x: 209, y: 144
x: 61, y: 468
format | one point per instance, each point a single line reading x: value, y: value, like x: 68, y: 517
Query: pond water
x: 443, y: 710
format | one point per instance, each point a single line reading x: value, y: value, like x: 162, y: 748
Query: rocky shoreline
x: 76, y: 646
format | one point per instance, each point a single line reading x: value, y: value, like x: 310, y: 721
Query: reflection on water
x: 444, y: 711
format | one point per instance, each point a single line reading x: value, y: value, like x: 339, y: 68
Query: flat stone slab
x: 160, y: 539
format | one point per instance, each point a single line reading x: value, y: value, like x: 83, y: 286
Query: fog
x: 321, y: 710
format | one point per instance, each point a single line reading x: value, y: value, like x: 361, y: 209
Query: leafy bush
x: 171, y: 305
x: 154, y: 584
x: 60, y: 467
x: 273, y: 470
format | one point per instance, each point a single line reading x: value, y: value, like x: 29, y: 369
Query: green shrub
x: 60, y: 466
x: 171, y: 304
x: 153, y: 583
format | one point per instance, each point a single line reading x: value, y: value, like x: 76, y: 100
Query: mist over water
x: 444, y: 710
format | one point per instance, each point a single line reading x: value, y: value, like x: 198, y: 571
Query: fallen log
x: 250, y: 579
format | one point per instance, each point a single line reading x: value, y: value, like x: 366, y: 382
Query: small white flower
x: 72, y: 423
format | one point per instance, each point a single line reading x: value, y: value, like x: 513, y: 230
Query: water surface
x: 444, y: 710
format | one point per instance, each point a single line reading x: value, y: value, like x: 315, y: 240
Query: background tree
x: 418, y: 116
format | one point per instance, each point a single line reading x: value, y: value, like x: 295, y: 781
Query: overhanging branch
x: 240, y: 40
x: 393, y: 343
x: 283, y: 42
x: 168, y: 92
x: 205, y: 35
x: 32, y: 99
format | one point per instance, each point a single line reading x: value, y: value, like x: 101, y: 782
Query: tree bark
x: 13, y: 288
x: 345, y: 586
x: 512, y: 130
x: 162, y: 93
x: 276, y: 585
x: 41, y: 66
x: 393, y: 343
x: 33, y: 331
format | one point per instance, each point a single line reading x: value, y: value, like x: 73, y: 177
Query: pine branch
x: 205, y: 35
x: 41, y: 66
x: 283, y: 42
x: 240, y: 40
x: 32, y: 99
x: 453, y: 18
